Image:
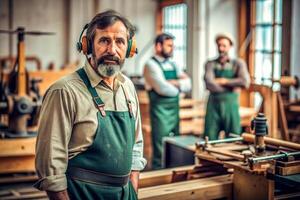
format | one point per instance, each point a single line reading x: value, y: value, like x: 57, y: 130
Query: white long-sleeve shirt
x: 155, y: 79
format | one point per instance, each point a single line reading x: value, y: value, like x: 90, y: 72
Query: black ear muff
x: 131, y: 49
x: 82, y: 44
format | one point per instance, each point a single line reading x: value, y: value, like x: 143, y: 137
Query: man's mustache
x: 108, y: 58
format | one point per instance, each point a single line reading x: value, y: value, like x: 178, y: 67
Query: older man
x: 90, y: 143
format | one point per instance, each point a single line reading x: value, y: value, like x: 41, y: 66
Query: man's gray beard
x: 108, y: 70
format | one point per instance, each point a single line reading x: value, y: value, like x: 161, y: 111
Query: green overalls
x: 102, y: 171
x: 222, y: 111
x: 164, y: 115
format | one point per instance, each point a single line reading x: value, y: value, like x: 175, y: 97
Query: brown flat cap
x: 224, y: 36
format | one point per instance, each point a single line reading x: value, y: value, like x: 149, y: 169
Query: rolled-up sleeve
x: 138, y: 161
x: 55, y: 127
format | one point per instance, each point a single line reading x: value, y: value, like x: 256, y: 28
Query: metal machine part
x: 260, y: 129
x: 20, y: 99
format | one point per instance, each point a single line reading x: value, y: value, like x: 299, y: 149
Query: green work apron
x: 222, y: 111
x: 164, y: 115
x: 110, y: 153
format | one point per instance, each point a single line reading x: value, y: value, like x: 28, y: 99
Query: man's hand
x: 221, y: 81
x: 174, y: 82
x: 134, y: 178
x: 62, y: 195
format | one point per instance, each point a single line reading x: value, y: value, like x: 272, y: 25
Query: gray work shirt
x: 241, y: 78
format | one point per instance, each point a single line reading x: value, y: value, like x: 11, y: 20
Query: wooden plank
x: 249, y: 186
x: 225, y: 153
x: 284, y: 171
x: 18, y: 179
x: 247, y: 137
x: 17, y: 147
x: 288, y: 164
x: 207, y: 188
x: 49, y: 77
x: 17, y: 164
x: 282, y: 118
x: 294, y: 108
x: 159, y: 177
x: 34, y: 195
x: 186, y: 113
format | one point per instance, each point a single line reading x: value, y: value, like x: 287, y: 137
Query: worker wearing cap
x: 224, y: 77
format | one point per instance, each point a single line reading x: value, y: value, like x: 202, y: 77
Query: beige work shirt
x: 68, y: 123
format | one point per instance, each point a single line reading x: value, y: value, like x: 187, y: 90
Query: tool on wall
x: 20, y: 99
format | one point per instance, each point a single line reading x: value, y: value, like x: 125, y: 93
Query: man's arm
x: 138, y: 161
x: 212, y: 84
x: 134, y: 178
x: 183, y: 83
x: 243, y: 78
x: 155, y: 78
x: 52, y: 142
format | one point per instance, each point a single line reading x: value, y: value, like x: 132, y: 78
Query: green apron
x: 164, y: 115
x: 110, y: 154
x: 222, y: 111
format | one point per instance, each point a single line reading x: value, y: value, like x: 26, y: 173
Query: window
x: 267, y: 48
x: 175, y: 22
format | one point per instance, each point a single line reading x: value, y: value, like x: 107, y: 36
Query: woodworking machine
x: 20, y: 100
x: 252, y: 166
x: 256, y: 160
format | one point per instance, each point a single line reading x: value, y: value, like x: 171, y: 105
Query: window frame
x: 159, y: 19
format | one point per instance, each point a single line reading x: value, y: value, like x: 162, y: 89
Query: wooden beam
x: 17, y: 164
x: 284, y: 171
x: 18, y: 179
x: 249, y: 186
x: 49, y: 77
x: 208, y: 188
x: 165, y: 3
x: 17, y: 147
x: 282, y: 118
x: 160, y: 177
x: 272, y: 141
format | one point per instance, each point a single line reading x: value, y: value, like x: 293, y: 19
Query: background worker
x: 164, y: 81
x: 90, y: 143
x: 224, y: 77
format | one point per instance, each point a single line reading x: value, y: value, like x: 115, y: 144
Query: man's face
x: 223, y: 47
x: 167, y: 48
x: 109, y: 49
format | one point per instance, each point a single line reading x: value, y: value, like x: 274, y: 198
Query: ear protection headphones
x: 83, y: 45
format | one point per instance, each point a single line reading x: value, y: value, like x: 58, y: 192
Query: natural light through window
x: 175, y: 22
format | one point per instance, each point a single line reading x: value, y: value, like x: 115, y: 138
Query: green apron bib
x: 222, y: 111
x: 164, y: 115
x: 110, y: 153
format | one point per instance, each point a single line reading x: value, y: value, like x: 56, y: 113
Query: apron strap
x: 159, y: 64
x: 129, y: 103
x: 97, y: 100
x: 161, y: 67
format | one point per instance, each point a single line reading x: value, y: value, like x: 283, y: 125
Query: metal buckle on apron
x: 100, y: 106
x: 102, y: 111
